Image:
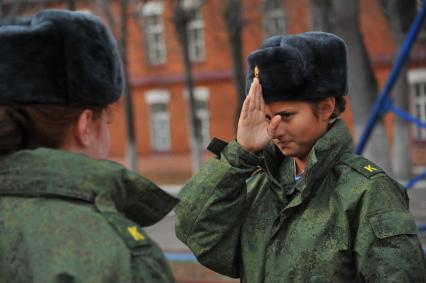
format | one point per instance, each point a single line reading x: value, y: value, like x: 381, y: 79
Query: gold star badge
x: 256, y: 72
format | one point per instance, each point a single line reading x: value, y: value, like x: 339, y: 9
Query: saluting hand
x: 254, y: 129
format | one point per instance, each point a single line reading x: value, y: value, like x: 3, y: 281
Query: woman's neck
x: 300, y: 165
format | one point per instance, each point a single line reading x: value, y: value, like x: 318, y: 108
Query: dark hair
x: 32, y: 126
x: 339, y: 108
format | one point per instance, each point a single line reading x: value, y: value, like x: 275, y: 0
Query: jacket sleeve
x: 386, y: 243
x: 213, y: 207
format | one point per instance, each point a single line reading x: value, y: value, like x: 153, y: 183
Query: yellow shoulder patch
x: 370, y: 168
x: 363, y: 166
x: 133, y: 231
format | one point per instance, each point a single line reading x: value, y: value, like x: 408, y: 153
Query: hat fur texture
x: 306, y: 66
x: 59, y: 57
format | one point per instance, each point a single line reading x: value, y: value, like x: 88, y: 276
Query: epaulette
x: 216, y: 146
x: 363, y: 166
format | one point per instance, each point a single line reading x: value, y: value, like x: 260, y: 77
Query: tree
x: 131, y: 149
x: 399, y: 15
x: 10, y: 10
x: 106, y: 8
x: 132, y: 155
x: 181, y: 17
x: 232, y: 13
x: 70, y: 4
x: 342, y: 18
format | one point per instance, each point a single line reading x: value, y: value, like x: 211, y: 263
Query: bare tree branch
x: 232, y: 13
x: 132, y: 155
x: 181, y: 17
x: 15, y: 9
x: 106, y: 8
x: 318, y: 11
x: 70, y: 5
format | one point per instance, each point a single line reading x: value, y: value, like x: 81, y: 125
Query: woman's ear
x: 83, y: 129
x: 327, y: 106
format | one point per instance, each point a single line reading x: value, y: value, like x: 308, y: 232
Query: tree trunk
x: 232, y: 14
x: 319, y: 18
x: 399, y: 15
x: 132, y: 155
x: 343, y: 20
x: 181, y: 17
x: 71, y: 5
x: 106, y: 7
x: 15, y: 9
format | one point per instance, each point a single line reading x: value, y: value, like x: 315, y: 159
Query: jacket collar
x: 54, y: 173
x: 325, y: 153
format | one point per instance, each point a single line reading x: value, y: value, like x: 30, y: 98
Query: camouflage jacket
x: 349, y: 222
x: 67, y: 218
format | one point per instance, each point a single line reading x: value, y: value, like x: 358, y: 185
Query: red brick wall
x: 215, y: 72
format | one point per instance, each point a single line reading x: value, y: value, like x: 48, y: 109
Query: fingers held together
x: 273, y: 126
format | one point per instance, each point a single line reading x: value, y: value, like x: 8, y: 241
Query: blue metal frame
x: 396, y: 68
x: 180, y: 257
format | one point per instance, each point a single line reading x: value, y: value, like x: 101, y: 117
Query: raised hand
x: 253, y: 133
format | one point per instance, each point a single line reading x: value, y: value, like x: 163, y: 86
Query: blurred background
x: 185, y: 64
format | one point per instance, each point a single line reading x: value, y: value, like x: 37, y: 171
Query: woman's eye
x: 286, y: 115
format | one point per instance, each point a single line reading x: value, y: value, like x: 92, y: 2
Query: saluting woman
x: 288, y: 201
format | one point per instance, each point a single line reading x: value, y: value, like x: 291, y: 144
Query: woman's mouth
x: 283, y: 143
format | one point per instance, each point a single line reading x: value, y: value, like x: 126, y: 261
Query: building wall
x: 215, y: 72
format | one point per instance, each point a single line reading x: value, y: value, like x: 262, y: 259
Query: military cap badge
x: 256, y: 72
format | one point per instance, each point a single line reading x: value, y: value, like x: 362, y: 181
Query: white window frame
x: 154, y: 34
x: 195, y: 30
x: 160, y: 137
x: 202, y: 94
x: 417, y: 82
x: 274, y: 21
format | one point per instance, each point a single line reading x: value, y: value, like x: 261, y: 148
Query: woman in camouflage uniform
x: 302, y: 208
x: 66, y: 216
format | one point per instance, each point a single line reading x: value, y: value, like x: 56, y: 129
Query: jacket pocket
x: 391, y: 224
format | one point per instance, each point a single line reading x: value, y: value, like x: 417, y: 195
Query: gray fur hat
x: 305, y: 66
x: 59, y: 57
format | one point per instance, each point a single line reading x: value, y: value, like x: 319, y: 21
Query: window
x: 417, y: 81
x: 201, y: 96
x: 151, y: 21
x: 195, y: 30
x: 158, y: 102
x: 273, y: 17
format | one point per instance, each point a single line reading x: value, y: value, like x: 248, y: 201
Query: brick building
x: 157, y: 74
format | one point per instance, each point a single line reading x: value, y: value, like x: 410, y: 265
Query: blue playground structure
x: 384, y: 104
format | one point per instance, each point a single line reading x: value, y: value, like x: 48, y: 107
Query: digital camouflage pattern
x: 346, y: 220
x: 67, y: 218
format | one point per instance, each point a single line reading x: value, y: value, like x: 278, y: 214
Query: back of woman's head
x: 32, y: 126
x: 54, y: 65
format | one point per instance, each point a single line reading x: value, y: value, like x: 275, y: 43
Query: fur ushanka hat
x: 59, y: 57
x: 305, y: 66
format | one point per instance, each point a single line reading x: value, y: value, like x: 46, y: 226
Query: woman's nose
x: 278, y: 132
